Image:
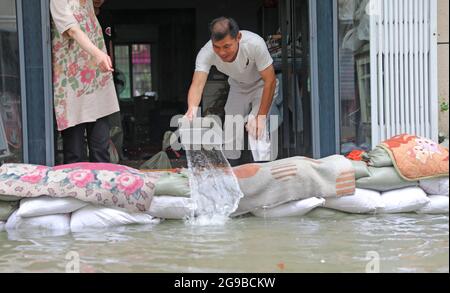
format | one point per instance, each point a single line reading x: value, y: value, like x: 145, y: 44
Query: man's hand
x: 256, y: 126
x: 103, y: 61
x: 191, y: 113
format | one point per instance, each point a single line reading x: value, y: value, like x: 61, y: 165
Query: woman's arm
x: 102, y: 59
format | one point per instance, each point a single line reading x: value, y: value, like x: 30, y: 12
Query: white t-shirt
x: 253, y: 57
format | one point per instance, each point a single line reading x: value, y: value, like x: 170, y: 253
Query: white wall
x: 443, y: 61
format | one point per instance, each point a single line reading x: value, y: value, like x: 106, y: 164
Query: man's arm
x: 102, y: 59
x: 195, y: 93
x: 257, y: 125
x: 270, y: 83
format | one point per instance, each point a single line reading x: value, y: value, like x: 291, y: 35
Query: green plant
x: 444, y: 106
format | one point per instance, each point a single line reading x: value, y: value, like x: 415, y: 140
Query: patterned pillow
x: 101, y: 184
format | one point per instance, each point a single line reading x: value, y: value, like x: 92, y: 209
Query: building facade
x: 443, y: 65
x: 352, y: 72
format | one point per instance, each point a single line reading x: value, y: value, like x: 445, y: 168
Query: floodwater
x: 320, y: 242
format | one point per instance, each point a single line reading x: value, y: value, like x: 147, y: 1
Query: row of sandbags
x: 75, y: 215
x: 172, y: 201
x: 432, y: 193
x: 67, y: 214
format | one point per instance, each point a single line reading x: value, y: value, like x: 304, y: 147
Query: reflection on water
x: 317, y: 243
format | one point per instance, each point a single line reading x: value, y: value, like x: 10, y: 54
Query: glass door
x: 285, y: 25
x: 11, y: 144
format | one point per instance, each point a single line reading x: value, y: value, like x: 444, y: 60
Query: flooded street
x: 319, y: 242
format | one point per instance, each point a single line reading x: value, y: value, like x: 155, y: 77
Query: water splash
x: 214, y: 187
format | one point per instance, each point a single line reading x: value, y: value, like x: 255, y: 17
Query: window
x: 11, y: 147
x: 133, y: 70
x: 354, y: 75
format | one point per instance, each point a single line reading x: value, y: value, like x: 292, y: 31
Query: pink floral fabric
x: 102, y: 184
x: 82, y: 93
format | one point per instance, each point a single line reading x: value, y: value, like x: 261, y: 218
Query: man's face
x: 98, y: 3
x: 228, y: 48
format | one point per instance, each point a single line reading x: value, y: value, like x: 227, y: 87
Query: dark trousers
x: 97, y: 139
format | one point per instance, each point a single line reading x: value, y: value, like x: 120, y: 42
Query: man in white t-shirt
x: 244, y: 57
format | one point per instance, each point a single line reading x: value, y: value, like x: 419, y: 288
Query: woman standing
x: 84, y: 93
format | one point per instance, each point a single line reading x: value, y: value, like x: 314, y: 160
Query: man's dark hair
x: 222, y: 27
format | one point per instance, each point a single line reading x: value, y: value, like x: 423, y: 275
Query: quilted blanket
x: 99, y: 184
x: 416, y: 158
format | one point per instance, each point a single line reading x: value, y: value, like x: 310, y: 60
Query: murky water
x: 335, y: 243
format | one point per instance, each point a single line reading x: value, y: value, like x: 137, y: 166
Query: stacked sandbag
x: 406, y: 200
x: 325, y: 213
x: 439, y: 204
x: 437, y: 190
x: 44, y: 213
x: 362, y: 202
x: 97, y: 217
x: 8, y: 205
x: 60, y: 223
x: 46, y: 205
x: 172, y: 207
x: 172, y: 197
x: 377, y: 172
x: 436, y: 186
x: 6, y: 209
x: 173, y: 184
x: 291, y: 209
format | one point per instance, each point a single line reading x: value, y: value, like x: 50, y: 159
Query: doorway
x: 154, y: 47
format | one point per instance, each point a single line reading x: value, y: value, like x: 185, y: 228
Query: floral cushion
x: 101, y: 184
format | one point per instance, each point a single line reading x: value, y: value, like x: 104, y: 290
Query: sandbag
x: 379, y: 158
x: 291, y: 209
x: 9, y: 198
x: 173, y: 184
x: 172, y: 208
x: 404, y: 200
x: 6, y: 209
x: 361, y: 169
x: 362, y: 202
x: 438, y: 205
x: 96, y: 217
x: 384, y: 179
x: 46, y: 205
x: 436, y: 186
x: 324, y: 213
x: 51, y: 222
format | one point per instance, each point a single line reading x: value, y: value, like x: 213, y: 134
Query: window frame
x: 130, y: 64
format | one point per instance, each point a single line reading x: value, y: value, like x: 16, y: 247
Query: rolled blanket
x: 417, y: 158
x: 272, y: 184
x: 101, y: 184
